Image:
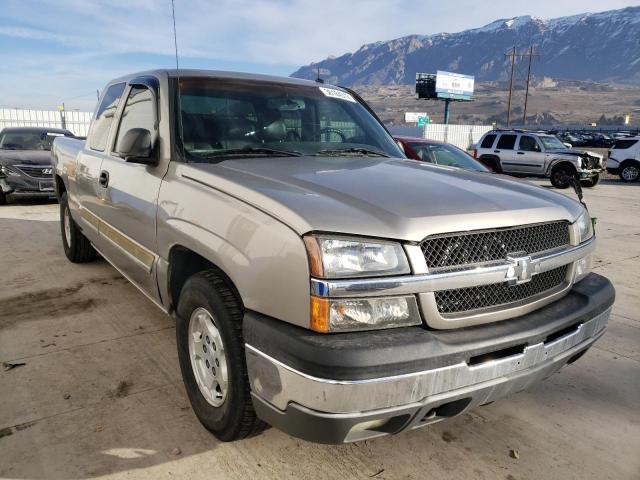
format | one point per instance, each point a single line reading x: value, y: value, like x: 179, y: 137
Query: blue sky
x: 55, y: 51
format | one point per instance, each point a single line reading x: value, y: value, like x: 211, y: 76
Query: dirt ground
x: 100, y: 394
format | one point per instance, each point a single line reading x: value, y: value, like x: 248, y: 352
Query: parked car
x: 320, y: 281
x: 439, y: 153
x: 570, y: 139
x: 25, y: 161
x: 624, y: 159
x: 523, y: 153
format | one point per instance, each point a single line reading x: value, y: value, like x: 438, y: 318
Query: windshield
x: 446, y: 155
x: 550, y: 142
x: 27, y: 140
x: 222, y: 119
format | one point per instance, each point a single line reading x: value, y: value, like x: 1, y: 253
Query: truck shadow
x: 100, y: 394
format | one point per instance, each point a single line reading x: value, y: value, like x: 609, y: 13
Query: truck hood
x: 390, y: 198
x: 25, y: 157
x: 574, y: 152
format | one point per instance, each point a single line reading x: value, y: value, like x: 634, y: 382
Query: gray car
x: 25, y: 161
x: 320, y: 281
x: 533, y: 154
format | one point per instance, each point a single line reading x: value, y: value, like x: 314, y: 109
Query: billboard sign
x: 454, y: 85
x: 413, y: 117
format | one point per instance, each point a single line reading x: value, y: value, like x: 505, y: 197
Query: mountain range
x: 599, y: 47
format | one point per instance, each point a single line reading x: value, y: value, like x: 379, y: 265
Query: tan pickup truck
x: 321, y: 282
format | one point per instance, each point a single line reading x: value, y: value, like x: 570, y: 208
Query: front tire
x: 629, y: 172
x: 76, y: 246
x: 212, y: 357
x: 590, y: 182
x: 561, y: 176
x: 3, y: 198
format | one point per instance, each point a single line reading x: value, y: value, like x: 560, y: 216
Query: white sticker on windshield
x: 333, y: 93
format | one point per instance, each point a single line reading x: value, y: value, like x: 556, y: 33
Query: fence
x: 459, y: 135
x: 76, y: 122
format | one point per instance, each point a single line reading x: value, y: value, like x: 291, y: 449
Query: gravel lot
x: 100, y: 393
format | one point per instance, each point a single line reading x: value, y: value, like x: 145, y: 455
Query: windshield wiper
x: 350, y: 151
x: 247, y: 151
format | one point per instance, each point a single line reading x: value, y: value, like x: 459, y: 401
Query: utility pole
x: 526, y: 93
x: 513, y: 56
x: 513, y: 68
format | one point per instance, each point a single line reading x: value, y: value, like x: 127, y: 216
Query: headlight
x: 6, y: 171
x: 585, y: 227
x: 339, y: 257
x: 350, y: 314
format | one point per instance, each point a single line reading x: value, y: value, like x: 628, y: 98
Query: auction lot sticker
x: 333, y: 93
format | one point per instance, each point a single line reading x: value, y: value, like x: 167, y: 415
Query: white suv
x: 522, y: 153
x: 624, y: 159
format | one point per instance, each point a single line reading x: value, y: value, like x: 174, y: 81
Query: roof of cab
x: 173, y: 73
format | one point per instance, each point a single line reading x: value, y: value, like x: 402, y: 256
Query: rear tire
x: 561, y: 176
x: 76, y: 246
x: 590, y: 182
x: 629, y: 172
x: 3, y: 198
x: 215, y: 378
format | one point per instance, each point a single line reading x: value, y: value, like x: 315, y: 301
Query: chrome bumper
x: 281, y: 386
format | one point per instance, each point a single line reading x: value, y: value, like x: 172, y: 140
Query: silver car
x: 532, y: 154
x: 320, y: 281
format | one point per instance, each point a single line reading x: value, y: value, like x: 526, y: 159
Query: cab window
x: 506, y: 142
x: 138, y: 113
x: 104, y: 117
x: 528, y: 144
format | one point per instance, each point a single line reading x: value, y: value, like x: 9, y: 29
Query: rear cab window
x: 624, y: 144
x: 507, y: 142
x: 488, y: 141
x: 104, y: 116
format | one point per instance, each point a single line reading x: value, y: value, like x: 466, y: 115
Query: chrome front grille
x: 37, y: 172
x: 468, y: 248
x: 464, y: 300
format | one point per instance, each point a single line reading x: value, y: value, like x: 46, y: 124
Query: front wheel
x: 77, y: 247
x: 561, y: 176
x: 212, y: 358
x: 590, y: 182
x: 629, y: 172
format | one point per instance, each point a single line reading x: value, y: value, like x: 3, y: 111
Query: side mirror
x: 135, y: 147
x: 568, y: 145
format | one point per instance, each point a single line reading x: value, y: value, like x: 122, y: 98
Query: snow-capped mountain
x: 602, y: 47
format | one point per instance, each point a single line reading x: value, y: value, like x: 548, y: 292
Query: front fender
x: 264, y: 258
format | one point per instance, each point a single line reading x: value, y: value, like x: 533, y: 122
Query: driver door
x: 129, y: 193
x: 530, y: 155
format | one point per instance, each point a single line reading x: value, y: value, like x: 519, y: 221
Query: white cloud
x: 84, y: 42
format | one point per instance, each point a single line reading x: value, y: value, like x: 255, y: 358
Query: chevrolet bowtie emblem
x: 520, y: 270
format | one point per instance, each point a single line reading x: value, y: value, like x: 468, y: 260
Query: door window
x: 506, y: 142
x: 104, y: 117
x: 138, y: 113
x: 488, y: 141
x: 529, y: 144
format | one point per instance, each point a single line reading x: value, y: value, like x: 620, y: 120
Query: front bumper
x: 348, y: 387
x: 22, y: 183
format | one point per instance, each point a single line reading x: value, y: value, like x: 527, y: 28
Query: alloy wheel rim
x: 208, y: 357
x: 630, y: 173
x: 67, y: 226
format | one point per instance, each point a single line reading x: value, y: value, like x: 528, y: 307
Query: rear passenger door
x: 505, y: 150
x: 129, y: 194
x: 529, y: 155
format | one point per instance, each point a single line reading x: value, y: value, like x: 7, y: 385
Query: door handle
x: 520, y: 153
x: 104, y: 178
x: 496, y: 151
